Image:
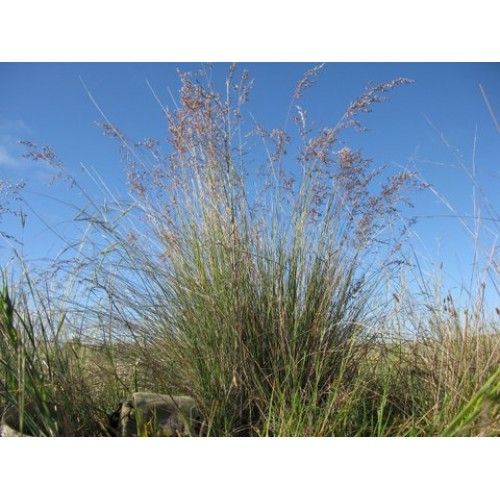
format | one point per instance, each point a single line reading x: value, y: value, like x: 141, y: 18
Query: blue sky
x: 440, y: 125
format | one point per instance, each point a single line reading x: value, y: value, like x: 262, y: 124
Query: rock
x: 151, y: 414
x: 146, y: 414
x: 9, y: 425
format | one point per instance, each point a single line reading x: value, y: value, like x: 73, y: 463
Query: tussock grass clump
x: 260, y: 300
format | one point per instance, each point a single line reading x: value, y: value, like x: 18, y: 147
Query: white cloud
x: 14, y: 126
x: 12, y: 164
x: 8, y: 159
x: 11, y: 152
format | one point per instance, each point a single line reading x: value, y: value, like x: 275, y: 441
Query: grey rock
x: 152, y: 414
x: 9, y: 423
